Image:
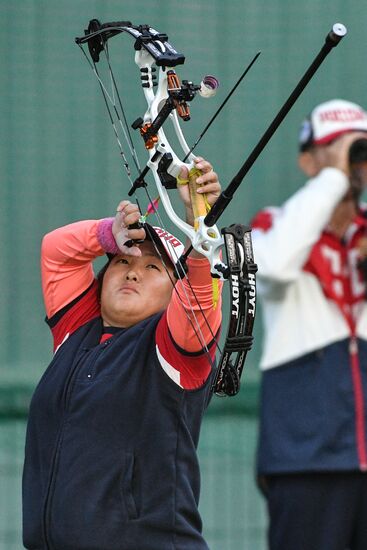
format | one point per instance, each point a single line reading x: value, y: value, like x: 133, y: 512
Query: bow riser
x: 206, y: 240
x: 156, y: 101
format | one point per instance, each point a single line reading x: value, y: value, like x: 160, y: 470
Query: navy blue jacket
x: 308, y: 413
x: 111, y: 443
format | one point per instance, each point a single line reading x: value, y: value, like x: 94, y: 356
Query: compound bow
x: 170, y: 100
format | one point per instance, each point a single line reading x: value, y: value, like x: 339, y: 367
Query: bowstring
x: 110, y: 98
x: 107, y: 98
x: 124, y: 126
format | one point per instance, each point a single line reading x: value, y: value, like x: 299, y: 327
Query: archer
x: 114, y: 422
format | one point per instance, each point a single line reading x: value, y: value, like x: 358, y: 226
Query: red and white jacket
x: 314, y: 310
x: 311, y: 289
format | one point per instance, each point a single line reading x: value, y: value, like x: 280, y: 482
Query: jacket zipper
x: 69, y: 385
x: 360, y: 428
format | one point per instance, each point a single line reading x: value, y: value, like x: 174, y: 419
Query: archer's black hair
x: 100, y: 277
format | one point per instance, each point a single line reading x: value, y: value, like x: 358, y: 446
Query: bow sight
x: 178, y: 96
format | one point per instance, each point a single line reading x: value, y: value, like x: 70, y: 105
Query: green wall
x: 59, y: 160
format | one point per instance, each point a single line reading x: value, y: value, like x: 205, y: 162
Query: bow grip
x: 198, y: 202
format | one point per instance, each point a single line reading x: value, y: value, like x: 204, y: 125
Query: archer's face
x: 134, y: 288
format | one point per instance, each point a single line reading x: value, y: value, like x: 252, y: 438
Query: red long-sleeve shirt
x: 71, y: 300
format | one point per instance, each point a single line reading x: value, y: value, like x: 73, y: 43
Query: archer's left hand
x: 208, y: 181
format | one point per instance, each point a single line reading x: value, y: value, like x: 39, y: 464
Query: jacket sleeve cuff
x: 105, y: 236
x: 199, y: 271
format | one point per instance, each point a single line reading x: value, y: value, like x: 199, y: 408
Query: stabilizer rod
x: 332, y: 40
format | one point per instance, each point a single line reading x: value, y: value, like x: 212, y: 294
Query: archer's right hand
x: 127, y: 214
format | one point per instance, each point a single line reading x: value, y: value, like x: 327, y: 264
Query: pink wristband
x: 105, y: 236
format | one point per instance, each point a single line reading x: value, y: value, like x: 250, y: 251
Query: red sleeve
x: 69, y: 285
x: 188, y: 370
x: 84, y: 308
x: 190, y: 327
x: 263, y: 220
x: 192, y: 318
x: 66, y: 263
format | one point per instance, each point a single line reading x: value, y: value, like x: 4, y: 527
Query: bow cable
x: 124, y: 126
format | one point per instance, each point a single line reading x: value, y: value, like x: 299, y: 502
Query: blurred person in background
x: 110, y: 457
x: 311, y: 254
